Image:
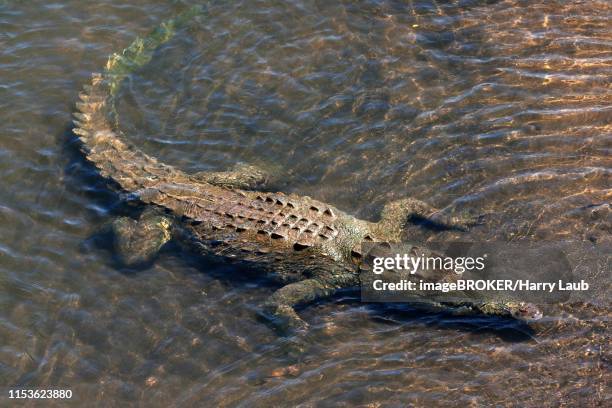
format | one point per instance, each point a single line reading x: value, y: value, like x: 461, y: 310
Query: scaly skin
x: 312, y: 247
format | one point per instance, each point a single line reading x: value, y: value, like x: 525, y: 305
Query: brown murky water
x: 501, y: 108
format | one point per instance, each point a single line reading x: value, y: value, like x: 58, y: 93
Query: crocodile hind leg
x: 397, y: 213
x: 138, y: 241
x: 280, y: 306
x: 243, y: 176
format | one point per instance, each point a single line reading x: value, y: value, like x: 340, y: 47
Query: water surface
x: 500, y: 108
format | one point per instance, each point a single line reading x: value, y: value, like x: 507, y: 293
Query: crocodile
x: 311, y: 247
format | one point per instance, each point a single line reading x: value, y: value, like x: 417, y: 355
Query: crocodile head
x: 524, y: 311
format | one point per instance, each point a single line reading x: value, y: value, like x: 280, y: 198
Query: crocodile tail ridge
x: 95, y: 119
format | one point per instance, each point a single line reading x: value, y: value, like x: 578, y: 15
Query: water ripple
x: 499, y: 108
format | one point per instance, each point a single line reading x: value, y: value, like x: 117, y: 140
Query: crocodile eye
x: 528, y: 311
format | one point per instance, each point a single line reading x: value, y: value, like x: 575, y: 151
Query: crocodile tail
x: 96, y: 120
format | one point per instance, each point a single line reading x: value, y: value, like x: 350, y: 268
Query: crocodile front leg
x: 242, y: 176
x: 138, y: 241
x: 397, y: 213
x: 280, y: 306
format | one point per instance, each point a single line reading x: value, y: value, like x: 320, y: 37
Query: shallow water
x: 500, y: 108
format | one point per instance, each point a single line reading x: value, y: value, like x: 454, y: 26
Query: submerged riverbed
x: 499, y: 108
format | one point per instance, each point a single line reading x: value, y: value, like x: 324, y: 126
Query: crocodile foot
x: 283, y: 318
x: 242, y: 176
x: 138, y: 241
x: 396, y: 214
